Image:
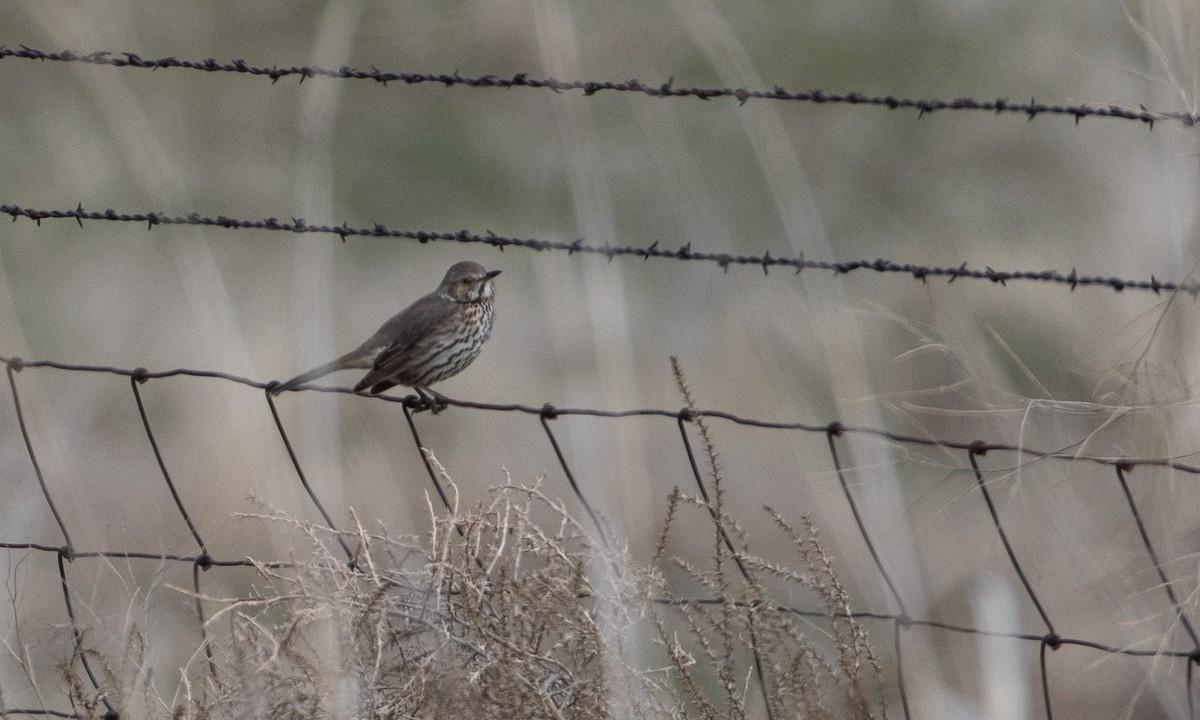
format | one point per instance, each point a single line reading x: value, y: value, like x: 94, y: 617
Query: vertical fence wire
x: 601, y: 531
x: 719, y: 521
x: 1167, y: 586
x: 1051, y: 638
x: 11, y: 368
x: 79, y: 653
x: 1008, y: 548
x: 897, y: 625
x: 203, y: 559
x: 834, y: 430
x: 312, y: 495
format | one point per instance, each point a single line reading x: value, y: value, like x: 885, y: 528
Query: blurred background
x: 1090, y: 371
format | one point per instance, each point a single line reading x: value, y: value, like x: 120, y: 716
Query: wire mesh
x: 903, y: 625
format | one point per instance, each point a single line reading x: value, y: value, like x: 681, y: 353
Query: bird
x: 434, y: 338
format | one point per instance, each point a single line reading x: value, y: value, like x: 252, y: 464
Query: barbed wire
x: 668, y: 89
x: 766, y: 261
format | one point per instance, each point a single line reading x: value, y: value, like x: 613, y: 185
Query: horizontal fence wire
x: 551, y: 412
x: 766, y: 261
x: 668, y: 89
x: 900, y: 620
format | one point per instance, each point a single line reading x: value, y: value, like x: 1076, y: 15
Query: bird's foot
x: 435, y: 401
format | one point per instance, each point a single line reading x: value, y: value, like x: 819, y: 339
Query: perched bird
x: 430, y: 340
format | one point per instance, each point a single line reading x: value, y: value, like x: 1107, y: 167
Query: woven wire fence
x: 1178, y: 646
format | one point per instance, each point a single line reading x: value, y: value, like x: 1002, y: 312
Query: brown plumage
x: 432, y: 339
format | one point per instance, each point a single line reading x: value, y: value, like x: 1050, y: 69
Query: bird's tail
x: 355, y: 359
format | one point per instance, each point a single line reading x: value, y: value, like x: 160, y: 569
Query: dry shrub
x: 514, y: 609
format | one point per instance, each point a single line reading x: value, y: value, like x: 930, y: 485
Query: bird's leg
x: 435, y: 400
x: 426, y: 401
x: 439, y: 401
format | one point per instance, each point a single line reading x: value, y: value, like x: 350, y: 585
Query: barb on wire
x: 668, y: 89
x: 766, y: 261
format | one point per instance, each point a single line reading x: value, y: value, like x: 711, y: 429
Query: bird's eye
x: 465, y: 281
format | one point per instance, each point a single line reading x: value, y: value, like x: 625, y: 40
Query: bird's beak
x: 491, y: 274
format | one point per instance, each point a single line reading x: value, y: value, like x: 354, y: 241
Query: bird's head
x: 468, y: 282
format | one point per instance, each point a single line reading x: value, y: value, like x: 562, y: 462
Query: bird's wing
x: 402, y: 334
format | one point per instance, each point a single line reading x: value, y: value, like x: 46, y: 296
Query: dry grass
x: 514, y: 609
